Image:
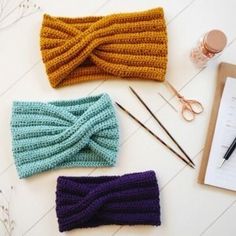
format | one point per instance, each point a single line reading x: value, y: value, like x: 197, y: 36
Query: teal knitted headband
x: 59, y: 134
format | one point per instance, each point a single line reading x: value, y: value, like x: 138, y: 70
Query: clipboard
x: 224, y: 70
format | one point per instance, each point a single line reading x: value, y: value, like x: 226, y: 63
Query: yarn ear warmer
x: 59, y: 134
x: 131, y: 199
x: 127, y: 45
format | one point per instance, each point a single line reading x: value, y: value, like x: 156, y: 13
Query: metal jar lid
x: 215, y: 41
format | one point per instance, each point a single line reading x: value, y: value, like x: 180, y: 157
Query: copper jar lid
x: 215, y: 41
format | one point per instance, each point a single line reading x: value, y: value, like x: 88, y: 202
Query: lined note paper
x: 225, y: 132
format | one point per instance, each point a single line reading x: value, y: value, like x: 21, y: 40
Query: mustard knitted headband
x: 128, y: 45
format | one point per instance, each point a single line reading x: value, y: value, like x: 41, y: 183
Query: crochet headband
x: 131, y: 199
x: 58, y: 134
x: 128, y: 45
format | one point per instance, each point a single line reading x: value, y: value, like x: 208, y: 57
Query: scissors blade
x: 172, y: 88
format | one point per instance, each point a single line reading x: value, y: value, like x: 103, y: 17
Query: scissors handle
x: 196, y: 106
x: 190, y: 109
x: 187, y: 112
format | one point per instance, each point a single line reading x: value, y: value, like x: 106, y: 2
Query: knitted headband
x: 58, y: 134
x: 128, y: 45
x: 131, y: 199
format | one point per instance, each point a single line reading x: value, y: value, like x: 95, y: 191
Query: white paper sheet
x: 225, y: 132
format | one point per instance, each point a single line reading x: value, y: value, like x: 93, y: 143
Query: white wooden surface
x: 187, y: 208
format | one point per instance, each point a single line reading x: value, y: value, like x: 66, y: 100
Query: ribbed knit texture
x: 128, y: 45
x: 58, y: 134
x: 131, y: 199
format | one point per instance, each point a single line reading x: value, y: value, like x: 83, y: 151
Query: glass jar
x: 207, y: 47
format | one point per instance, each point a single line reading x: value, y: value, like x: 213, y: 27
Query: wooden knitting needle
x: 162, y: 126
x: 159, y: 139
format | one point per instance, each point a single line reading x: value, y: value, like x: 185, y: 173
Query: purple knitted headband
x: 131, y: 199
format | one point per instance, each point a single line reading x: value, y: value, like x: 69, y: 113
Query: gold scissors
x: 190, y: 108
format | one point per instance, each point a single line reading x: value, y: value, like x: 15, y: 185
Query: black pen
x: 229, y: 151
